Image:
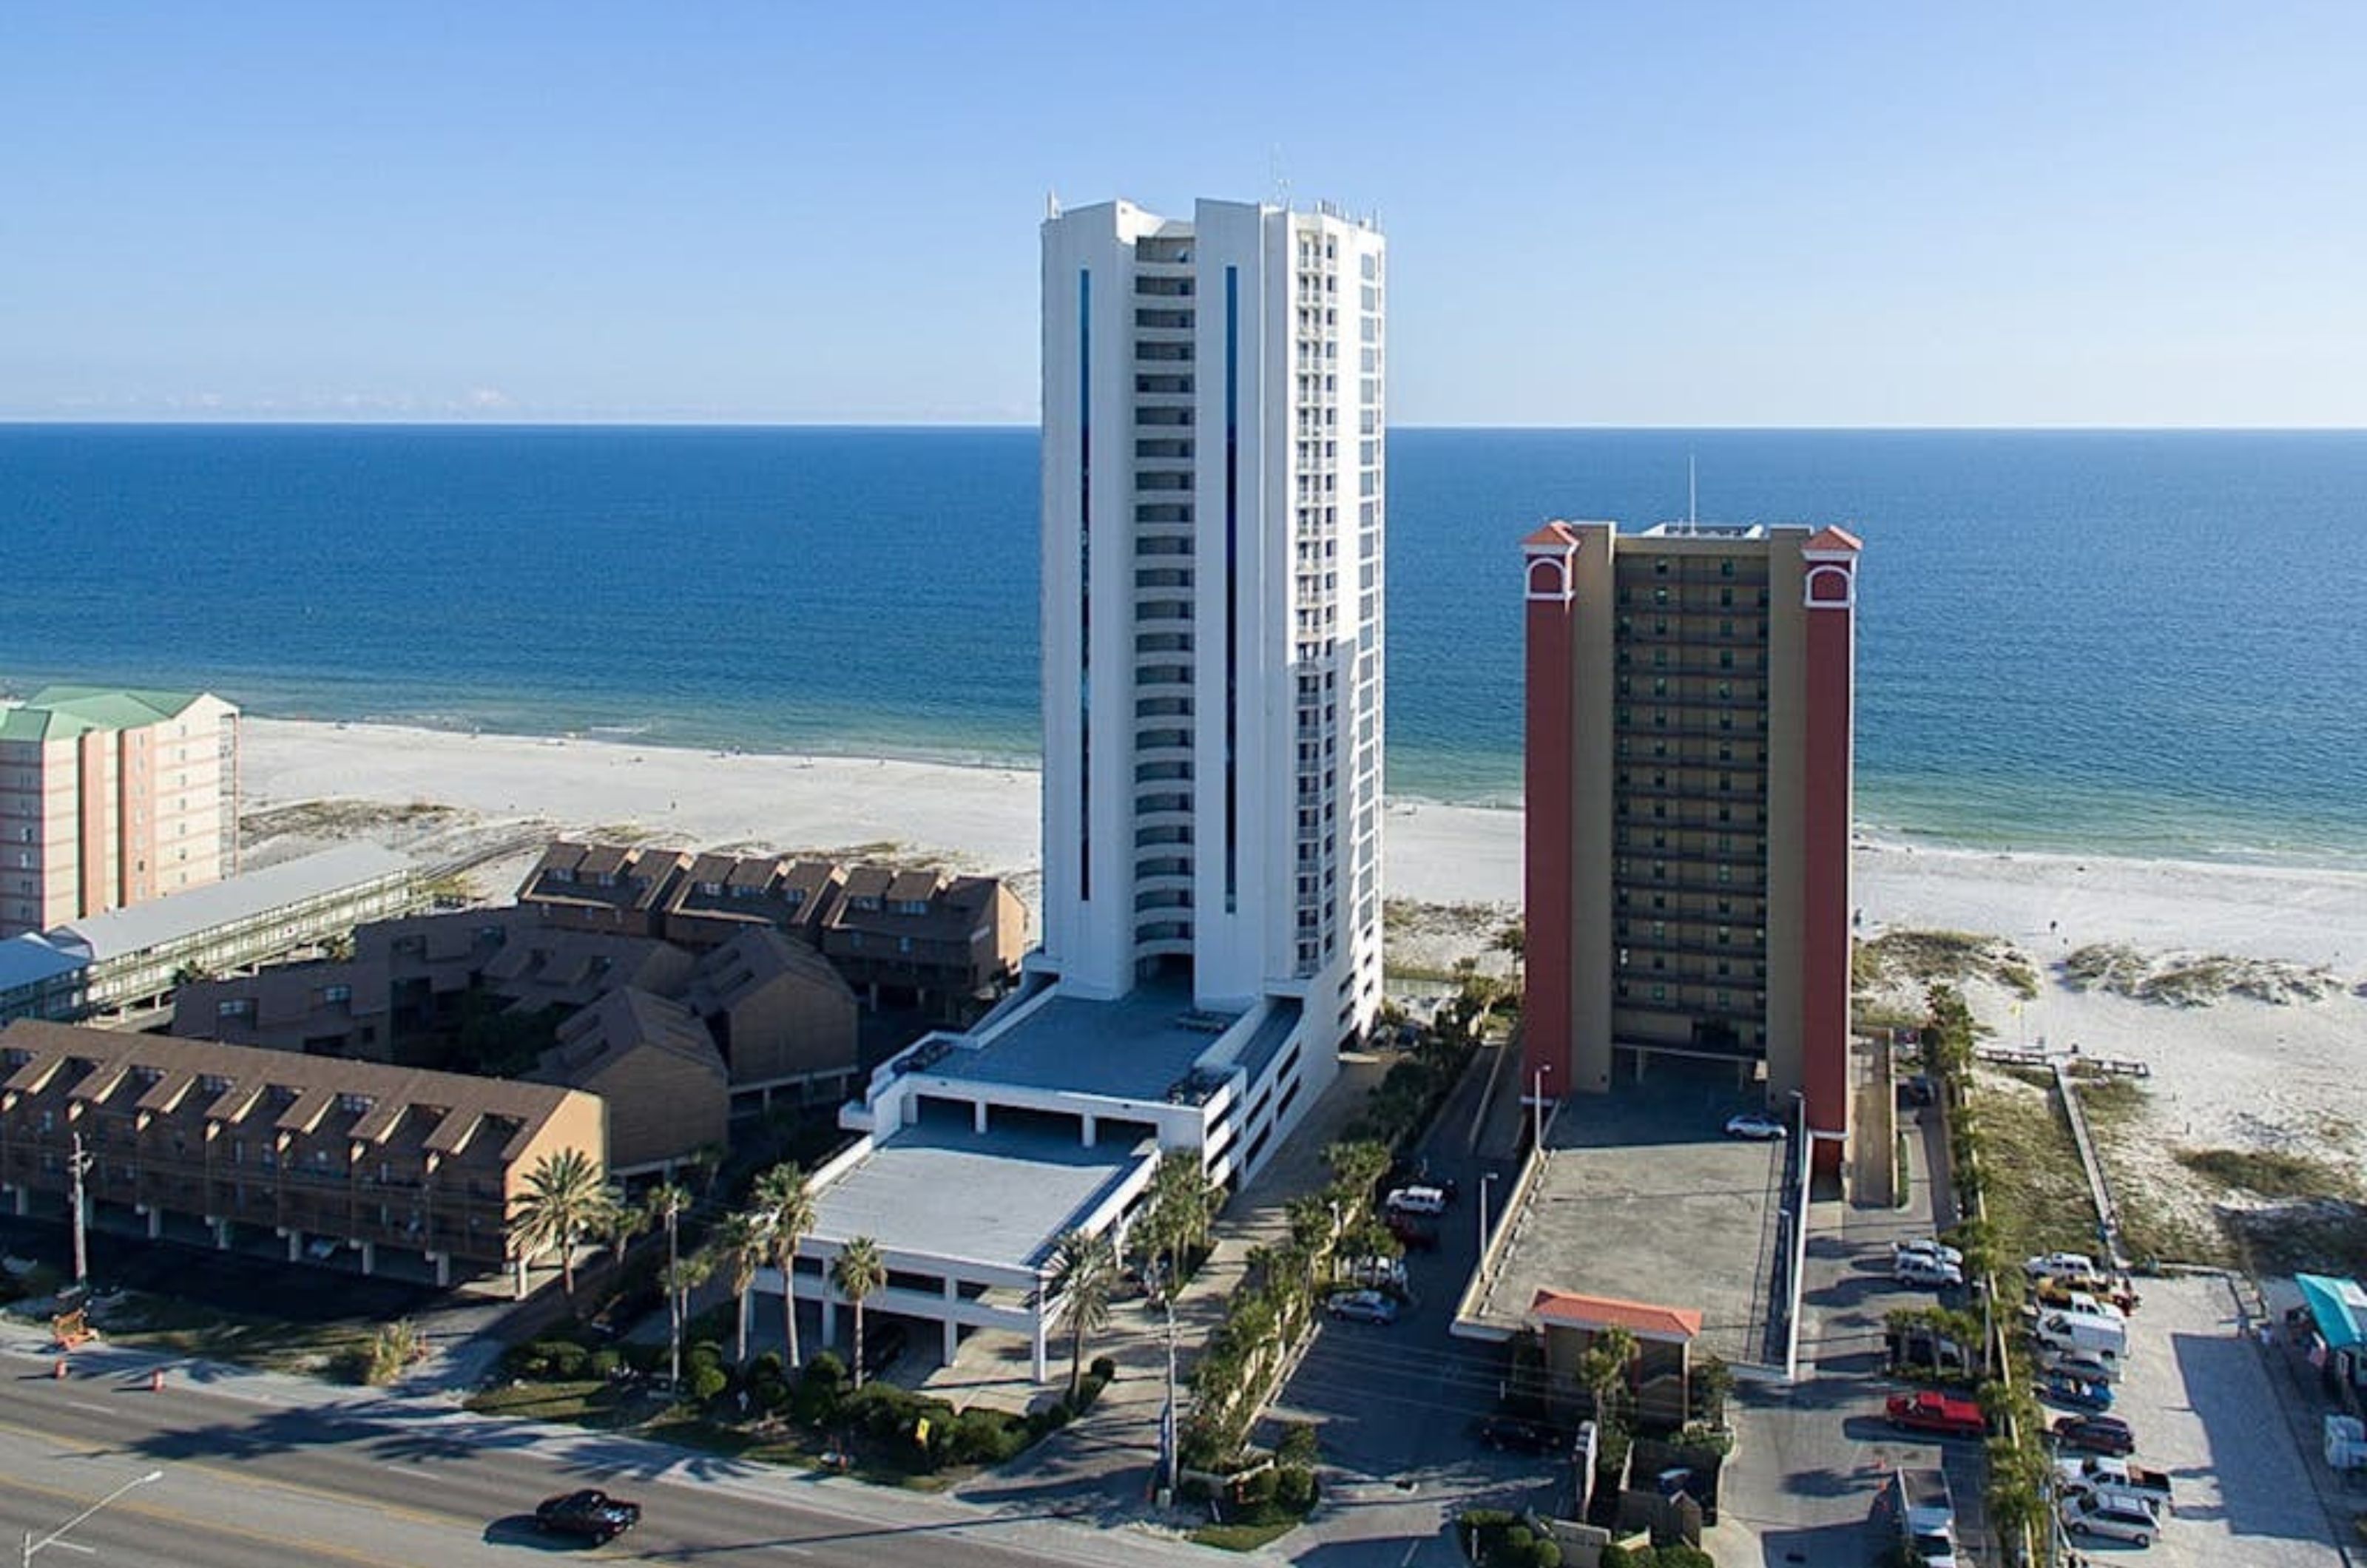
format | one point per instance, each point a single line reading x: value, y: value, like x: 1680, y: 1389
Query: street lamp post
x: 57, y: 1535
x: 1538, y: 1101
x: 77, y: 1163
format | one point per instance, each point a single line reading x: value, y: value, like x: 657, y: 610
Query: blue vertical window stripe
x: 1085, y: 583
x: 1232, y: 582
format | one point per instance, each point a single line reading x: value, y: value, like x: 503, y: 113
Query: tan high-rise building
x: 112, y: 797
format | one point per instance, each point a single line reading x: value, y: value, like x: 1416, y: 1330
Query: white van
x: 2080, y: 1304
x: 2097, y: 1336
x: 2115, y: 1518
x: 1417, y: 1200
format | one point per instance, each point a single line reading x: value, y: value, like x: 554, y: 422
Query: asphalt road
x: 385, y: 1486
x: 1814, y: 1456
x: 1396, y: 1404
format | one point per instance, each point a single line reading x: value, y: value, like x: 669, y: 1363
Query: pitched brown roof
x: 1639, y: 1318
x: 303, y: 1087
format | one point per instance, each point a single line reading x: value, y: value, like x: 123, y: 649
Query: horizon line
x: 28, y: 422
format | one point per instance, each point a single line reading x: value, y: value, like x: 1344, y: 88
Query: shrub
x: 1679, y: 1555
x: 1257, y: 1489
x: 1297, y: 1444
x: 1104, y: 1369
x: 983, y: 1436
x: 707, y: 1381
x: 824, y: 1368
x: 567, y: 1360
x: 604, y: 1363
x: 1616, y: 1556
x: 1294, y: 1488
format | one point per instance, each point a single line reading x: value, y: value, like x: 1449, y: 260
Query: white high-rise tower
x: 1214, y: 513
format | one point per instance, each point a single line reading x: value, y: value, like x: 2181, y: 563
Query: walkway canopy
x: 2338, y: 1307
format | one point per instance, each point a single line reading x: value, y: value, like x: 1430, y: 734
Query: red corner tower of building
x: 1689, y: 763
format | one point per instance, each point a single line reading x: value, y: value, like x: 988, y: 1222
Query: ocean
x: 2126, y: 643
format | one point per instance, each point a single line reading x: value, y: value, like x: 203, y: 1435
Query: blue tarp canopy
x: 2337, y: 1306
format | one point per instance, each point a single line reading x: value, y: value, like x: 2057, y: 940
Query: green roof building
x: 110, y: 797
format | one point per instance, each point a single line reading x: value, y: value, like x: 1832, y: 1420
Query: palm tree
x: 565, y: 1200
x: 1603, y: 1369
x: 1357, y: 1166
x: 620, y: 1222
x: 1187, y: 1200
x: 683, y: 1278
x: 857, y: 1270
x: 738, y: 1246
x: 665, y: 1204
x: 787, y: 1206
x: 1084, y: 1270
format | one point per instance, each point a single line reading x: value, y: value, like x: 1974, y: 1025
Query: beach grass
x: 2036, y: 1189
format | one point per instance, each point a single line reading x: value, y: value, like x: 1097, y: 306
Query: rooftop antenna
x: 1280, y: 179
x: 1051, y: 204
x: 1693, y: 495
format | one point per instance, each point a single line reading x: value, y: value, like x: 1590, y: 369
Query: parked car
x: 2081, y: 1366
x: 2105, y: 1470
x: 1945, y: 1414
x: 1760, y: 1125
x: 1927, y: 1247
x: 1920, y: 1090
x: 1509, y: 1434
x: 1920, y: 1268
x: 590, y: 1514
x: 2111, y: 1515
x: 2095, y: 1433
x: 1411, y: 1233
x: 1362, y: 1306
x: 1376, y: 1272
x: 1416, y: 1201
x: 2076, y: 1392
x: 2116, y: 1290
x: 2059, y: 1266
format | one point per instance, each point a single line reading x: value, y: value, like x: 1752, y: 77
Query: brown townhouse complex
x: 222, y: 1146
x: 669, y: 1037
x: 940, y: 943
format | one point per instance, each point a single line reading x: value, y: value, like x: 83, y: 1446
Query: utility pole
x: 76, y: 1163
x: 1170, y: 1437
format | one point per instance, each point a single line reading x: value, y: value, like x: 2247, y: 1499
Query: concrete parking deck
x: 1642, y: 1197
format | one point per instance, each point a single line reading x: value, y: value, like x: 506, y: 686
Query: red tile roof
x: 1639, y: 1318
x: 1555, y: 533
x: 1834, y: 539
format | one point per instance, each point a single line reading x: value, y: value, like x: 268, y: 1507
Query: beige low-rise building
x: 213, y: 1145
x: 656, y: 1066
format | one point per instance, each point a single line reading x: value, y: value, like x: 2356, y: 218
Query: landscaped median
x: 811, y: 1417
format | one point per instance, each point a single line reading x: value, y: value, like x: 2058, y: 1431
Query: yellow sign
x: 920, y: 1431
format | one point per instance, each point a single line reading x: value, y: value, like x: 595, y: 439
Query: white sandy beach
x: 2236, y: 1072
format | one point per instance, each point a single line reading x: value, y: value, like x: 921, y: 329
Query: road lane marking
x: 184, y: 1521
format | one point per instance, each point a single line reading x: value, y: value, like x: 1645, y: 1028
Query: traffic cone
x: 156, y: 1380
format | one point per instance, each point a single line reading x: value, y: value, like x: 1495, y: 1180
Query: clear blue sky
x: 1693, y: 214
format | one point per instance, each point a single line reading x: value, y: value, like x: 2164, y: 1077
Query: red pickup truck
x: 1944, y: 1413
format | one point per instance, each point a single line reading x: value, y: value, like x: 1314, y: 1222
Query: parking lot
x: 2200, y: 1399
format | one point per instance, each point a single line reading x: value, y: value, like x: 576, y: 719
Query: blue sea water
x: 2140, y: 643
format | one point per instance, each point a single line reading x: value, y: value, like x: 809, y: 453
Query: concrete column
x: 829, y: 1320
x: 979, y: 1114
x: 24, y: 1202
x: 1037, y: 1314
x: 155, y: 1224
x: 517, y: 1282
x: 953, y: 1329
x: 221, y: 1233
x: 443, y: 1261
x: 369, y: 1257
x: 1091, y: 1129
x: 295, y: 1246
